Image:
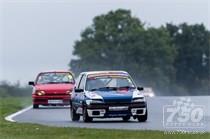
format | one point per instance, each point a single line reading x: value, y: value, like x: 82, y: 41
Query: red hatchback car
x: 52, y: 88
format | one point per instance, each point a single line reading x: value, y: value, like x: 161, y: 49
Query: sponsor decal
x: 183, y: 113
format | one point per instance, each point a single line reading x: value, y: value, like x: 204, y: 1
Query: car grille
x: 57, y: 94
x: 117, y: 101
x: 107, y: 105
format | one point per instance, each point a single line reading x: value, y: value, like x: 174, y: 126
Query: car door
x: 79, y: 96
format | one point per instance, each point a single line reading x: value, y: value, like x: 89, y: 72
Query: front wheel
x: 142, y: 118
x: 74, y: 115
x: 35, y: 106
x: 85, y: 116
x: 126, y: 118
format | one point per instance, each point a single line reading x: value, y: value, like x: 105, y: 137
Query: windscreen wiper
x: 127, y: 87
x: 104, y: 88
x: 50, y: 82
x: 66, y: 82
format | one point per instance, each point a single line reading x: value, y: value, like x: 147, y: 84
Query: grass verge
x: 10, y: 130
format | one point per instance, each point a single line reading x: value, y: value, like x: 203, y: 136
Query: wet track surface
x: 157, y: 117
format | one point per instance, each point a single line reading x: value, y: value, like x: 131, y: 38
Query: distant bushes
x: 7, y: 89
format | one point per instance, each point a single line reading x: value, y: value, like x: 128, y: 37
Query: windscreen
x: 106, y: 82
x: 52, y: 78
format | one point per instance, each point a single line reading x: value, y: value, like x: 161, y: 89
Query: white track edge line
x: 11, y: 116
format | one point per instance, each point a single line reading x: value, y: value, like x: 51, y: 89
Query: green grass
x: 33, y: 131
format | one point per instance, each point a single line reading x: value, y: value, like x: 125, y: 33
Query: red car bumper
x: 51, y: 100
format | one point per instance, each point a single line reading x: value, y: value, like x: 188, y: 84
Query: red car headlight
x: 69, y: 92
x: 40, y: 93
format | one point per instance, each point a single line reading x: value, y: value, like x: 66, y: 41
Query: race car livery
x: 104, y: 94
x: 52, y: 88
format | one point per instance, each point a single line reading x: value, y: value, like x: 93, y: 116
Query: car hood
x: 54, y: 87
x: 116, y: 96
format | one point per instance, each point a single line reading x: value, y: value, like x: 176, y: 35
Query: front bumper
x: 116, y: 110
x: 51, y: 100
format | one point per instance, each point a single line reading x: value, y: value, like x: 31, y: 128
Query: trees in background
x: 192, y: 66
x: 168, y: 58
x: 15, y: 90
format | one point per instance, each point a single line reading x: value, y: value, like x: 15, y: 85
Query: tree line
x: 15, y: 90
x: 172, y: 59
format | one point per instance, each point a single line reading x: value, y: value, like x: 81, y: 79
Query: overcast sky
x: 38, y: 35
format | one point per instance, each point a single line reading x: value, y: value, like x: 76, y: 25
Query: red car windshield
x: 54, y: 78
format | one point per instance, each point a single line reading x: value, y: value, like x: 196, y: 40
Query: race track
x: 60, y: 117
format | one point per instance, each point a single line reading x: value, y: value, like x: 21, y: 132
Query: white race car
x: 148, y: 92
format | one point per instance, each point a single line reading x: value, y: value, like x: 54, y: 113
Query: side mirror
x: 78, y: 90
x: 31, y: 83
x: 140, y: 88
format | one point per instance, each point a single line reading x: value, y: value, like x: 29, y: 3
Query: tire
x: 142, y: 118
x: 74, y: 115
x: 126, y: 118
x: 85, y: 116
x: 35, y: 106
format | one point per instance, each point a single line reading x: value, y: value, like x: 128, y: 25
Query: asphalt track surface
x: 157, y: 117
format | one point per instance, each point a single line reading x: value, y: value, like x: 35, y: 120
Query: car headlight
x: 40, y: 93
x: 151, y: 95
x: 69, y: 92
x: 91, y: 101
x: 139, y: 99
